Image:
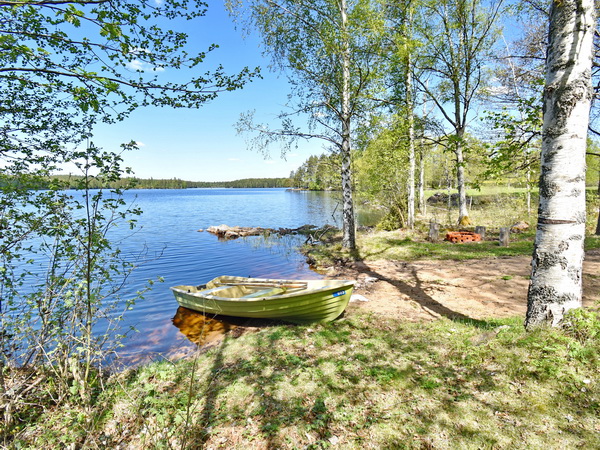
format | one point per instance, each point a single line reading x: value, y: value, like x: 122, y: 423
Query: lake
x: 168, y: 244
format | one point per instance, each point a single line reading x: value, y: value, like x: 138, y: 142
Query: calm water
x: 168, y: 245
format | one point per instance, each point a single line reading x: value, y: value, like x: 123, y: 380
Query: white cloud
x: 138, y: 50
x: 233, y: 159
x: 142, y: 66
x: 136, y: 64
x: 140, y: 144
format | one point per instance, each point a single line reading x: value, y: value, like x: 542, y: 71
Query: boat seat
x: 265, y: 293
x: 215, y: 290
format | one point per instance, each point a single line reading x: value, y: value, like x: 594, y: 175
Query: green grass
x: 409, y: 246
x: 497, y: 206
x: 364, y: 381
x: 498, y: 189
x: 486, y: 189
x: 494, y: 207
x: 398, y: 247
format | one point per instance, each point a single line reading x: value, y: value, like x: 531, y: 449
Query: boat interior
x: 240, y: 291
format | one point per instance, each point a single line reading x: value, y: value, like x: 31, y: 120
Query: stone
x: 519, y: 227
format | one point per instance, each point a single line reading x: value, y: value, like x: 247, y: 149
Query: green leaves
x: 74, y: 46
x: 518, y: 144
x: 111, y: 30
x: 50, y: 319
x: 72, y: 15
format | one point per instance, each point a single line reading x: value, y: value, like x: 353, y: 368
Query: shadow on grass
x: 278, y: 412
x: 384, y: 246
x: 263, y: 370
x: 344, y: 378
x: 371, y: 381
x: 198, y: 434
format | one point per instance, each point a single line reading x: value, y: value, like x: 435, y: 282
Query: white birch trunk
x: 421, y: 183
x: 556, y: 285
x: 349, y: 232
x: 463, y: 213
x: 411, y: 141
x: 598, y: 193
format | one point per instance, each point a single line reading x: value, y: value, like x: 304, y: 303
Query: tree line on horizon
x: 71, y: 182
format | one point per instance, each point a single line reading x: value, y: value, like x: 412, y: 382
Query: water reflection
x: 203, y: 329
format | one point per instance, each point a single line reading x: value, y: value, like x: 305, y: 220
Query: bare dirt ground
x: 475, y: 289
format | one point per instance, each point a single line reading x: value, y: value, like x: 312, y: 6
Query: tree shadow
x: 418, y: 294
x: 277, y: 412
x: 198, y: 434
x: 429, y: 304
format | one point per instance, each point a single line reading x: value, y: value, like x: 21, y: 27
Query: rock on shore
x: 227, y: 232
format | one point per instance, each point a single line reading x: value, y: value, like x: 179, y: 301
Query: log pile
x: 462, y: 236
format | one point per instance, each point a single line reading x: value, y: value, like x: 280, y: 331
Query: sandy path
x: 476, y: 289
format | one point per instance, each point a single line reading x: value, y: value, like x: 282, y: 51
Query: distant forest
x: 73, y: 181
x: 317, y: 173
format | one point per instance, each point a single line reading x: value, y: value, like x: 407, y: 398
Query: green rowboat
x: 296, y: 301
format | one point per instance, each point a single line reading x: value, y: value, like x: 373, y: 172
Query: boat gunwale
x: 296, y: 293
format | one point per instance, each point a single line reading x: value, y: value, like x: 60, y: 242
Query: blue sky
x: 202, y: 144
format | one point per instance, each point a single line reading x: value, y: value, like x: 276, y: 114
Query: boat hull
x: 309, y: 301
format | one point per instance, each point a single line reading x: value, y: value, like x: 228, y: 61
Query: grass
x: 496, y: 208
x: 363, y: 381
x: 500, y: 189
x: 409, y: 246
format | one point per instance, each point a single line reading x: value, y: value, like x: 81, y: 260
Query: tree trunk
x: 555, y: 285
x: 421, y: 183
x: 463, y: 213
x: 349, y: 233
x: 528, y: 187
x: 422, y: 201
x: 598, y: 194
x: 411, y: 141
x: 449, y: 191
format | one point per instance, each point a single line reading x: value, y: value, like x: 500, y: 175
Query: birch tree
x: 457, y: 38
x: 402, y: 40
x: 330, y: 51
x: 556, y: 280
